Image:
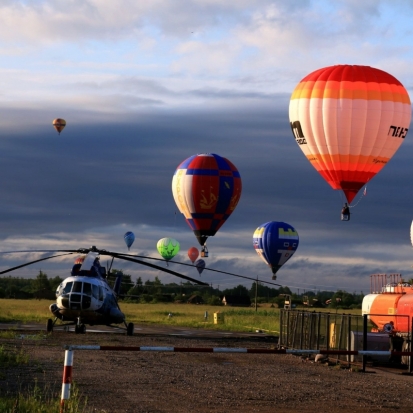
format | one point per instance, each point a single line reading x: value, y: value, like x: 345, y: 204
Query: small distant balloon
x: 129, y: 238
x: 193, y: 254
x: 275, y: 242
x: 59, y: 124
x: 168, y: 248
x: 200, y: 265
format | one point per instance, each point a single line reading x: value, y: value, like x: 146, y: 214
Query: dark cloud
x: 103, y: 178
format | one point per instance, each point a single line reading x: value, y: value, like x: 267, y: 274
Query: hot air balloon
x: 275, y: 242
x: 59, y: 124
x: 168, y: 248
x: 411, y: 233
x: 206, y: 188
x: 349, y: 121
x: 129, y: 238
x: 193, y: 254
x: 200, y: 265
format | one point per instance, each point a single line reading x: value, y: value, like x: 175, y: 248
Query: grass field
x: 185, y: 315
x: 266, y: 318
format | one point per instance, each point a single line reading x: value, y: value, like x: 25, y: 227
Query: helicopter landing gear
x: 49, y: 325
x: 80, y: 329
x: 130, y: 329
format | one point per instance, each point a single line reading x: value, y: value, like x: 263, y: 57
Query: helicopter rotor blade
x: 33, y: 262
x: 177, y: 274
x: 133, y: 258
x: 206, y: 268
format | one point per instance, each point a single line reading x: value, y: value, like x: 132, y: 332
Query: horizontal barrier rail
x: 241, y: 350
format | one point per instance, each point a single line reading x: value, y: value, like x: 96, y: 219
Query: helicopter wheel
x: 129, y: 329
x: 49, y: 325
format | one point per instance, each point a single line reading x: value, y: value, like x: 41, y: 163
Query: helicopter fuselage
x: 88, y: 298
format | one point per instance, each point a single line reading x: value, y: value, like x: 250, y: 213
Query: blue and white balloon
x: 275, y: 242
x: 129, y: 238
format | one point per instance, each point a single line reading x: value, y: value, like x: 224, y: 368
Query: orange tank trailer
x: 393, y: 306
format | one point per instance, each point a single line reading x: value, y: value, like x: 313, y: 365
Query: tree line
x: 153, y: 291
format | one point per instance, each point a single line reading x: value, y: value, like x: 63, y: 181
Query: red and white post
x: 67, y: 378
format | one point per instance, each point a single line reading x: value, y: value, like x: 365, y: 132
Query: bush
x: 213, y: 300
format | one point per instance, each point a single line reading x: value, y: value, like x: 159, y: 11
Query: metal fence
x: 316, y: 330
x: 307, y: 330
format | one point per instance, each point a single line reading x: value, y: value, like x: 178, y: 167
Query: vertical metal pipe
x: 328, y: 332
x: 67, y: 378
x: 288, y: 329
x: 294, y: 329
x: 410, y: 346
x: 311, y: 332
x: 302, y: 330
x: 364, y: 341
x: 340, y: 334
x: 318, y: 330
x: 281, y: 338
x: 349, y: 339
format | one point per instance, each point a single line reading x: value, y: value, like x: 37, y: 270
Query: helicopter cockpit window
x: 95, y: 291
x: 77, y: 287
x: 87, y: 289
x: 67, y: 287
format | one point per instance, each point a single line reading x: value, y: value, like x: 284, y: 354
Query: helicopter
x: 85, y: 297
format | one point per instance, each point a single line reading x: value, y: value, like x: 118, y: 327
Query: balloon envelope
x: 193, y: 254
x: 168, y: 248
x: 129, y: 238
x: 349, y: 121
x: 59, y: 124
x: 206, y: 189
x: 275, y: 242
x: 411, y: 233
x: 200, y: 265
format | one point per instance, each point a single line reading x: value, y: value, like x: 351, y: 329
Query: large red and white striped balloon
x: 349, y: 121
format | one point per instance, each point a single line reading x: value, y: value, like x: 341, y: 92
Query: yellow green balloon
x: 168, y: 248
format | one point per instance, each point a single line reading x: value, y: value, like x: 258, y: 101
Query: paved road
x: 147, y: 330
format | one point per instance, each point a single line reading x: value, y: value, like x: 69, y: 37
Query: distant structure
x: 195, y: 299
x: 236, y: 300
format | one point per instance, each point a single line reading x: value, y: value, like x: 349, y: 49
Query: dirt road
x: 201, y: 382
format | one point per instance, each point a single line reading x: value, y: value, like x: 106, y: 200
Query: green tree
x: 157, y: 286
x: 239, y: 290
x: 41, y: 282
x: 55, y: 282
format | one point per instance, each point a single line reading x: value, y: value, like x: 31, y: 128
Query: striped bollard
x: 67, y: 378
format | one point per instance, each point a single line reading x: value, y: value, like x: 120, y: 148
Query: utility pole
x: 256, y: 293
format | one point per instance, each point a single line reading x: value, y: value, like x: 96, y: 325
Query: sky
x: 145, y: 85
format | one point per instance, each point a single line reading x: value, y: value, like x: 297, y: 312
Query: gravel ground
x: 202, y: 382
